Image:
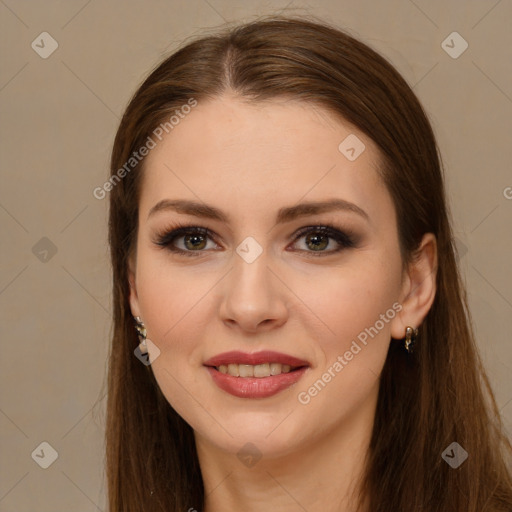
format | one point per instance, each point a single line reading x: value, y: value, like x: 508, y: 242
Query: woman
x: 290, y: 328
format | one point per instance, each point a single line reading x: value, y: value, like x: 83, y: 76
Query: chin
x: 266, y: 434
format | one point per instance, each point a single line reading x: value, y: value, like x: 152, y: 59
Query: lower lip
x: 255, y: 387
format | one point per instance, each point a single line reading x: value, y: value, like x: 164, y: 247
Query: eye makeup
x: 167, y: 238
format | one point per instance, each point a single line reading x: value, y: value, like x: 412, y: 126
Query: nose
x: 253, y: 298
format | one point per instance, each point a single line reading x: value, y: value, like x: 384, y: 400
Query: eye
x: 194, y: 240
x: 317, y: 238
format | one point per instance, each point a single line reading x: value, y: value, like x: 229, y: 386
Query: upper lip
x: 264, y: 356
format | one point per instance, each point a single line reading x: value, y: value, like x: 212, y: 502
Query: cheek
x: 170, y: 299
x: 352, y: 360
x: 346, y: 302
x: 175, y: 302
x: 358, y: 309
x: 173, y: 305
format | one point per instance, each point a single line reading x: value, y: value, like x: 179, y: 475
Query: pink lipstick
x: 257, y: 375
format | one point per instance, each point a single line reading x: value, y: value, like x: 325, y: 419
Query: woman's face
x: 325, y: 300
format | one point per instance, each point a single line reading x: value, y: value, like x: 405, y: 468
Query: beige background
x: 59, y: 117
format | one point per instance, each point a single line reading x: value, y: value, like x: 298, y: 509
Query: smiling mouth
x: 255, y: 375
x: 258, y: 370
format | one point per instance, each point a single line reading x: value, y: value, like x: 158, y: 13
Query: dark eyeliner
x: 346, y: 240
x: 166, y: 238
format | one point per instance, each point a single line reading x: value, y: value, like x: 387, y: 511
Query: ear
x: 134, y: 299
x: 418, y: 288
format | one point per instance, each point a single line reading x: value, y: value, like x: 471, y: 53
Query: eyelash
x: 169, y: 235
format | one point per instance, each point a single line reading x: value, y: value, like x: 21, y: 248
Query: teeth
x: 275, y: 368
x: 233, y: 370
x: 246, y: 370
x: 262, y: 370
x: 258, y: 370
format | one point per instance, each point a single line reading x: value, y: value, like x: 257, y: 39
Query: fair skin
x: 250, y: 160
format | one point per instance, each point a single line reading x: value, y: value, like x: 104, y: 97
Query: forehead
x: 250, y: 158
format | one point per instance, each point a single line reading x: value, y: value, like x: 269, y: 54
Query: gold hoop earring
x: 410, y: 338
x: 141, y: 330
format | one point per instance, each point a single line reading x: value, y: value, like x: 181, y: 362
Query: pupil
x: 316, y: 240
x: 194, y: 239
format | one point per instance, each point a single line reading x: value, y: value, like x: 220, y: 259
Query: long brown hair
x: 438, y: 395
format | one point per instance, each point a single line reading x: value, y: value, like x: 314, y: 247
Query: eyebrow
x: 286, y: 214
